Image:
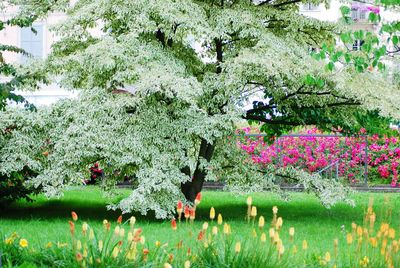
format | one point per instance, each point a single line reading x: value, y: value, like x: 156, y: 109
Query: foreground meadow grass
x: 47, y: 220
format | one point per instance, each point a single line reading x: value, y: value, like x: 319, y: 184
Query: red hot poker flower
x: 179, y: 207
x: 173, y: 224
x: 187, y: 212
x: 119, y: 220
x: 198, y: 198
x: 74, y: 216
x: 201, y: 235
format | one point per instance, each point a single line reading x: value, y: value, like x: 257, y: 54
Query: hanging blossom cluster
x: 313, y: 154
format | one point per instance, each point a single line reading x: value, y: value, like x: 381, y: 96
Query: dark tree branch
x: 287, y: 3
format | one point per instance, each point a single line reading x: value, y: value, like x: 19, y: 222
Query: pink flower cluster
x: 313, y: 153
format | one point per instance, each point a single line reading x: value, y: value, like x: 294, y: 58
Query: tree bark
x: 191, y: 188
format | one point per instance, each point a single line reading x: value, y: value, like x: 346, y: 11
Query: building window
x: 358, y: 14
x: 309, y: 7
x: 32, y: 42
x: 357, y: 44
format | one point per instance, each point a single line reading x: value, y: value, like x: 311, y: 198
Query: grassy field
x: 47, y: 220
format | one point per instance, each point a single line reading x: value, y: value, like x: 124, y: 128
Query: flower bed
x: 214, y: 244
x: 314, y: 153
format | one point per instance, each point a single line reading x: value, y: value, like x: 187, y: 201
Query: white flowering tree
x: 163, y: 84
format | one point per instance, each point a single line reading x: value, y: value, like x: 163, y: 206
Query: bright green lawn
x: 47, y: 220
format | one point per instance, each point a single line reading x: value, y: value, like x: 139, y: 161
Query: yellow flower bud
x: 121, y: 232
x: 205, y: 226
x: 291, y: 231
x: 374, y: 242
x: 305, y: 245
x: 116, y: 230
x: 78, y: 245
x: 212, y: 213
x: 261, y: 222
x: 132, y: 221
x: 392, y: 233
x: 281, y: 250
x: 254, y: 233
x: 327, y: 256
x: 215, y: 230
x: 263, y: 238
x: 271, y: 232
x: 187, y: 264
x: 253, y: 211
x: 23, y: 243
x: 115, y: 252
x: 227, y: 228
x: 100, y: 245
x: 249, y: 200
x: 219, y: 221
x: 85, y: 227
x: 237, y: 247
x: 167, y: 265
x: 349, y: 239
x: 279, y: 223
x: 158, y: 243
x: 275, y: 210
x: 359, y: 231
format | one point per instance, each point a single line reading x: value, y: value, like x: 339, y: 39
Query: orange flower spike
x: 71, y: 227
x: 192, y: 214
x: 198, y: 199
x: 74, y: 216
x: 79, y: 257
x: 201, y: 235
x: 187, y: 212
x: 146, y: 251
x: 189, y: 251
x: 173, y: 224
x: 179, y: 209
x: 119, y: 220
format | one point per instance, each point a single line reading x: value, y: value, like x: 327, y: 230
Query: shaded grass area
x: 47, y: 220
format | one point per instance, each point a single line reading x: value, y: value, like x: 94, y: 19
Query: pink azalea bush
x: 316, y: 153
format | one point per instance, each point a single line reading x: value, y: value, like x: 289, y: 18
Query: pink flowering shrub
x: 316, y: 153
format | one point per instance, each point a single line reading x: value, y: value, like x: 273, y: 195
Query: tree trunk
x: 191, y: 188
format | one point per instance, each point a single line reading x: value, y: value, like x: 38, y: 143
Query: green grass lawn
x: 47, y: 220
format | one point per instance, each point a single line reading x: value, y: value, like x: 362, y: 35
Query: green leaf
x: 345, y: 10
x: 320, y: 82
x: 347, y: 57
x: 330, y: 66
x: 395, y: 40
x: 309, y: 80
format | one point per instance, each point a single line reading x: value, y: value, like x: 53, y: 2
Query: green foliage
x: 187, y: 65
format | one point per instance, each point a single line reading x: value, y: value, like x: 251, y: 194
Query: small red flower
x: 74, y: 216
x: 201, y: 235
x: 179, y: 206
x: 119, y: 220
x: 145, y: 251
x: 198, y: 198
x: 187, y: 212
x: 173, y: 224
